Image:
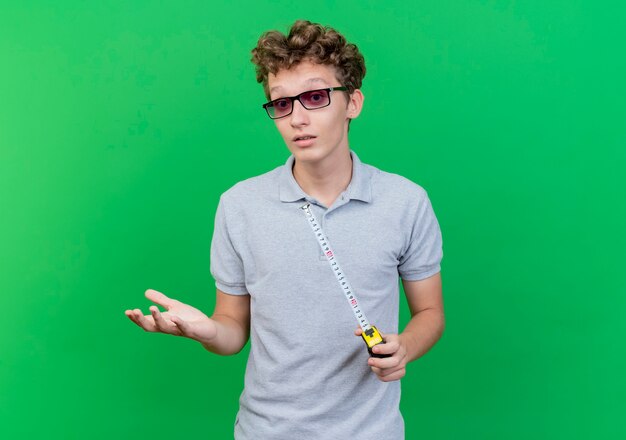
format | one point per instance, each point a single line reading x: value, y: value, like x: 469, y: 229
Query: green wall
x: 121, y: 123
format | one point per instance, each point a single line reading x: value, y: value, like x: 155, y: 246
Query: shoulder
x: 395, y: 188
x: 252, y: 190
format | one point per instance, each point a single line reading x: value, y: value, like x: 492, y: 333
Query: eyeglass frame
x: 297, y: 97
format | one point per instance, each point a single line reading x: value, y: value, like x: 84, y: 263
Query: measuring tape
x: 370, y: 334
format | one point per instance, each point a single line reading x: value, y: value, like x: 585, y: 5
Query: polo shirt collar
x: 359, y: 187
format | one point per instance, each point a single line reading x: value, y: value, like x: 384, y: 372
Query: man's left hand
x: 389, y: 368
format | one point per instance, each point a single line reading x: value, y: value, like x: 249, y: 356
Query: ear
x: 355, y: 103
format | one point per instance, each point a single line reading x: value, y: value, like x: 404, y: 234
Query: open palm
x: 180, y: 319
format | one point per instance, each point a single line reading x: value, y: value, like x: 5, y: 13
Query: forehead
x: 300, y: 78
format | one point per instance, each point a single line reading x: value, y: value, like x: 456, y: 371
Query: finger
x: 161, y: 324
x: 391, y: 371
x: 376, y: 371
x: 389, y: 347
x: 130, y: 314
x: 386, y: 371
x: 145, y: 322
x: 358, y: 332
x: 183, y: 327
x: 159, y: 298
x: 396, y: 375
x: 382, y: 363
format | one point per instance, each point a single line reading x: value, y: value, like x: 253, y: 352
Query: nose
x: 299, y: 115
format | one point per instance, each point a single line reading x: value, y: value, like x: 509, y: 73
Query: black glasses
x: 311, y: 100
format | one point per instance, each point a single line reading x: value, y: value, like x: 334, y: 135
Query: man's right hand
x: 180, y: 319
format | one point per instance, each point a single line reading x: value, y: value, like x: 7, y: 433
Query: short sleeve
x: 226, y: 263
x: 423, y: 254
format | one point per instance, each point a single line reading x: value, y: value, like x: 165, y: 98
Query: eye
x: 315, y: 96
x: 281, y: 104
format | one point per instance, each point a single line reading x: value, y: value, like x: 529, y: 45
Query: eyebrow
x: 308, y: 81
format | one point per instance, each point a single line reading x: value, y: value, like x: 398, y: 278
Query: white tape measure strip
x: 334, y: 265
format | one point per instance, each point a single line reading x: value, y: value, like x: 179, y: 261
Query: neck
x: 327, y: 179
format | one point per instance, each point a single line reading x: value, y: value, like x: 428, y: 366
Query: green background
x: 121, y: 123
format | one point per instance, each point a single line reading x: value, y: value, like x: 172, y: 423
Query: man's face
x: 314, y: 135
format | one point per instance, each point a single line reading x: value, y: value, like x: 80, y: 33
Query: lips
x: 304, y: 140
x: 303, y: 137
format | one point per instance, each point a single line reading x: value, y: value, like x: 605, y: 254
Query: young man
x: 308, y: 376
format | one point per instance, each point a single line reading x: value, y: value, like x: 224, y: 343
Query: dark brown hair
x: 308, y: 42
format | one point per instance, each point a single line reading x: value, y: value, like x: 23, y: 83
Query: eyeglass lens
x: 310, y: 100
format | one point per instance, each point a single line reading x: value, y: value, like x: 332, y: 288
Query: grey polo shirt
x: 307, y: 375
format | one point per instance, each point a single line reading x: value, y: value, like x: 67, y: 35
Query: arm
x: 427, y: 322
x: 420, y: 334
x: 226, y: 332
x: 232, y: 319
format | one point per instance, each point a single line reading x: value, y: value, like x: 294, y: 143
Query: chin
x: 309, y: 154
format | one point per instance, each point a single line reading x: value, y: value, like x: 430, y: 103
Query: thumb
x: 159, y: 298
x: 358, y: 332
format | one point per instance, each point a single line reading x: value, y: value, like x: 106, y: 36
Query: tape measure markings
x: 370, y: 335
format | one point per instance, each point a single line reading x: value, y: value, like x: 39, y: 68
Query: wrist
x: 409, y: 340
